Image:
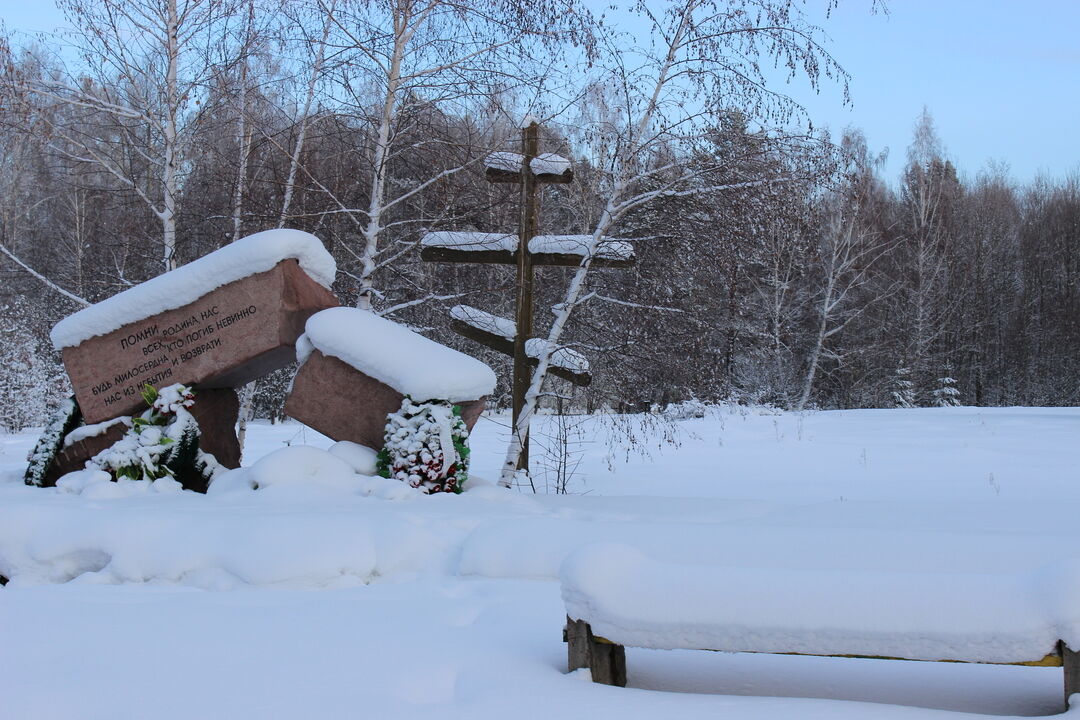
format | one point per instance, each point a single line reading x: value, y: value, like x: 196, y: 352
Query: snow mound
x: 361, y: 458
x: 302, y: 465
x: 94, y: 484
x: 391, y: 353
x: 186, y: 284
x: 995, y: 618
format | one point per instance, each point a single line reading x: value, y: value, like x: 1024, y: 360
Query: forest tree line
x: 774, y: 265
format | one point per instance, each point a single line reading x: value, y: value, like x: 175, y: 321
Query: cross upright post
x: 527, y: 228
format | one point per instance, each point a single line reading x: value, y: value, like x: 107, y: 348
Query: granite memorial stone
x: 356, y: 368
x: 235, y: 332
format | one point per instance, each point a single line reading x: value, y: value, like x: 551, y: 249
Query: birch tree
x: 847, y: 249
x: 316, y: 47
x: 135, y: 94
x: 705, y: 58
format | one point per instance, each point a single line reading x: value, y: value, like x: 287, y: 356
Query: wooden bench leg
x: 605, y: 660
x: 1070, y: 662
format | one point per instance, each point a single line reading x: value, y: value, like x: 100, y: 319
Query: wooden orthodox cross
x: 530, y: 169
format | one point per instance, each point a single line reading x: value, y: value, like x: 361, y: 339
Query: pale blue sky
x: 1001, y: 77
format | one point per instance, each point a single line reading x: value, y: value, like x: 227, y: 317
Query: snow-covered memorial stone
x: 218, y: 322
x: 358, y: 368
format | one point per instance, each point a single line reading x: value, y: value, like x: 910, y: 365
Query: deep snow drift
x: 326, y: 592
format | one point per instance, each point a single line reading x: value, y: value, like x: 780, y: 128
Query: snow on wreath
x: 425, y: 446
x: 163, y: 442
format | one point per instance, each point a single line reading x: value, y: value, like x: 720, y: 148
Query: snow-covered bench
x: 616, y: 597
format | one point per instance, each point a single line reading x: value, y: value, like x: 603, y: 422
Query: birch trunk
x: 819, y: 343
x: 379, y: 164
x: 172, y: 109
x: 309, y: 98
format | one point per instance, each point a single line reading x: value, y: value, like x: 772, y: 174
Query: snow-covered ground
x: 324, y: 599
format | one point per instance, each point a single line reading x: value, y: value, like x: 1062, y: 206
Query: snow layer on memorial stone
x: 392, y: 354
x: 633, y: 600
x: 250, y: 255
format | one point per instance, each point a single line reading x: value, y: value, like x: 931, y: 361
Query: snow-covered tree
x: 903, y: 390
x: 946, y: 394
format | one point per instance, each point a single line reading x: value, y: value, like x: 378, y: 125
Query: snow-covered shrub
x: 686, y: 410
x: 425, y: 446
x: 51, y: 442
x: 162, y: 442
x: 946, y: 394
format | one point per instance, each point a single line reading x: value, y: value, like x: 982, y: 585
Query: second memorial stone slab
x: 356, y: 368
x: 217, y: 322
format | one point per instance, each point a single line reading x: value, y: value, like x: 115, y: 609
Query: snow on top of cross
x: 542, y: 164
x: 534, y: 347
x: 395, y: 355
x: 549, y: 164
x: 634, y: 600
x: 547, y: 244
x: 563, y: 357
x: 186, y: 284
x: 470, y: 241
x: 485, y: 321
x: 504, y: 161
x: 579, y: 245
x: 528, y: 120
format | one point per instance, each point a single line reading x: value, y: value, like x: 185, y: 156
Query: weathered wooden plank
x: 506, y: 257
x: 1070, y: 661
x: 605, y: 660
x: 506, y: 347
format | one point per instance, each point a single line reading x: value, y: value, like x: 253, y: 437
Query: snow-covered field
x: 333, y: 596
